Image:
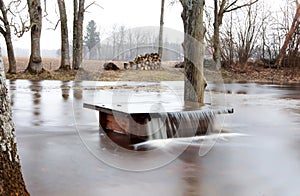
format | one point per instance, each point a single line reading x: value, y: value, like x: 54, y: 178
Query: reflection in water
x: 191, y: 175
x: 77, y: 90
x: 265, y: 163
x: 12, y: 88
x: 192, y: 186
x: 65, y: 90
x: 36, y: 88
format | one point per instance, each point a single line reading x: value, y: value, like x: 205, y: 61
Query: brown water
x: 62, y: 152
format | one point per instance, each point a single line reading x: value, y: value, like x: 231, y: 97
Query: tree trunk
x: 75, y: 36
x: 295, y: 25
x: 65, y: 53
x: 217, y: 47
x: 194, y: 50
x: 161, y: 29
x: 10, y: 54
x: 7, y: 35
x: 78, y: 33
x: 35, y: 12
x: 11, y: 179
x: 216, y: 37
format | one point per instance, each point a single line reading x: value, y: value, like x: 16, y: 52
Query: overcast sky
x: 131, y: 13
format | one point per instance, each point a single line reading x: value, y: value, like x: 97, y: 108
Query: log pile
x: 144, y: 62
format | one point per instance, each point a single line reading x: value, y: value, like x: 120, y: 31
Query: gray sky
x: 131, y: 13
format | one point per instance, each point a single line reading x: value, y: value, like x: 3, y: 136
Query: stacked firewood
x: 144, y: 62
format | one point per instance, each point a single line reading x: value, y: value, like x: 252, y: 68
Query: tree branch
x: 238, y: 7
x: 93, y: 3
x: 2, y: 31
x: 55, y: 26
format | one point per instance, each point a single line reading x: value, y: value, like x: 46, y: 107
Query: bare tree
x: 11, y: 19
x: 78, y: 17
x: 130, y: 42
x: 161, y: 29
x: 292, y: 56
x: 248, y: 31
x: 220, y: 8
x: 228, y: 42
x: 115, y: 38
x: 99, y: 45
x: 138, y: 35
x: 6, y: 32
x: 65, y: 52
x: 121, y: 45
x: 35, y: 12
x: 264, y: 30
x: 11, y: 179
x: 288, y: 38
x: 192, y: 16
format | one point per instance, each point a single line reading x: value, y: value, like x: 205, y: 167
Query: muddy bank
x: 261, y: 74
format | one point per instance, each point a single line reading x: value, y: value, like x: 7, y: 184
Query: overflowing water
x: 62, y: 152
x: 180, y: 124
x: 193, y: 122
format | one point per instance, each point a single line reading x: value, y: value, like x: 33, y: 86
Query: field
x: 93, y: 70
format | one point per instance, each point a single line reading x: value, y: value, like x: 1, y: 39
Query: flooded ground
x: 62, y: 152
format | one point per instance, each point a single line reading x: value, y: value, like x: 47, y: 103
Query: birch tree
x: 11, y: 179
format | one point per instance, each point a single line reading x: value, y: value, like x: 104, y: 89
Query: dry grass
x: 93, y: 70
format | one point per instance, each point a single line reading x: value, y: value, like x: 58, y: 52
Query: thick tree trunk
x: 288, y: 38
x: 35, y: 13
x: 194, y: 50
x: 11, y: 179
x: 161, y: 29
x: 78, y: 33
x: 7, y: 35
x: 65, y: 53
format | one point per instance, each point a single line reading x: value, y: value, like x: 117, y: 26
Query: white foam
x: 194, y: 141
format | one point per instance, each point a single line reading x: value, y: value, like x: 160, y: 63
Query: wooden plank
x: 126, y: 124
x: 102, y: 120
x: 120, y: 124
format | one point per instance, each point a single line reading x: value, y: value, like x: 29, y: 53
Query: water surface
x: 61, y: 148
